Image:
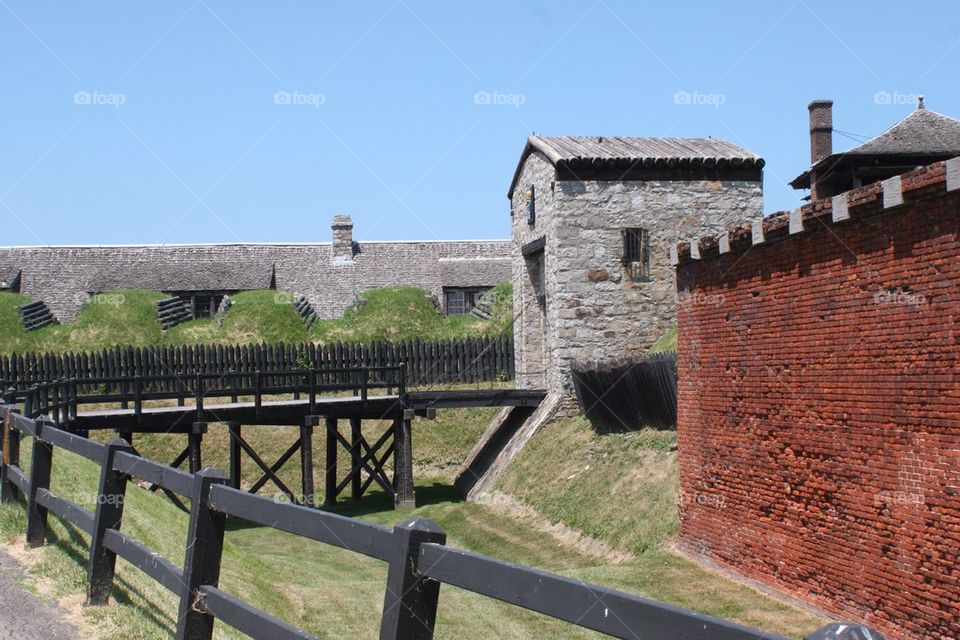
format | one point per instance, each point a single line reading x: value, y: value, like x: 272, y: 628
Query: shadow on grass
x: 375, y: 502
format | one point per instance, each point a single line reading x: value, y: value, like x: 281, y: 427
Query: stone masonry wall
x: 61, y: 276
x: 594, y: 311
x: 819, y: 404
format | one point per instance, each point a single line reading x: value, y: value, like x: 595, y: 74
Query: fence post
x: 257, y: 392
x: 403, y: 461
x: 40, y: 465
x: 201, y: 565
x: 11, y: 457
x: 233, y: 428
x: 110, y: 497
x: 137, y: 397
x: 195, y: 444
x: 410, y: 600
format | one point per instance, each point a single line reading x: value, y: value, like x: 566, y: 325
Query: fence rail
x: 61, y: 399
x: 415, y: 551
x: 469, y: 360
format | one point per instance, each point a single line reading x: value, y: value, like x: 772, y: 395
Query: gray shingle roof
x: 185, y: 272
x: 923, y: 136
x: 590, y: 148
x: 62, y: 276
x: 921, y: 132
x: 473, y: 272
x: 578, y: 152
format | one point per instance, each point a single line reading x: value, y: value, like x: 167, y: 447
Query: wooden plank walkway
x: 179, y: 419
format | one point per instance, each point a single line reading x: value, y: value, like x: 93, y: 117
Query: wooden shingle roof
x: 582, y: 154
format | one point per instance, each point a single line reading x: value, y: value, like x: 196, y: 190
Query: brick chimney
x: 342, y: 239
x: 821, y: 129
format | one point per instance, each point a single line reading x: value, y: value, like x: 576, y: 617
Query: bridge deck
x: 179, y: 419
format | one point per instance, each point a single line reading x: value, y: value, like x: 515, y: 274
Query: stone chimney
x: 342, y: 239
x: 821, y: 129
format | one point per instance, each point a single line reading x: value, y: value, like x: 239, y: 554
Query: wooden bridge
x: 337, y: 401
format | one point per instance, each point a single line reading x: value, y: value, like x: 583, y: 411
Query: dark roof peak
x: 923, y: 134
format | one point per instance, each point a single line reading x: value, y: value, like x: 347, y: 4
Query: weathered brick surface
x: 819, y: 408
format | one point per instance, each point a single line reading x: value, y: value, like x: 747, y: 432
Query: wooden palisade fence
x: 415, y: 551
x: 468, y: 360
x: 629, y: 394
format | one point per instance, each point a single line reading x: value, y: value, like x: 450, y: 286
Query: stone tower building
x: 592, y: 220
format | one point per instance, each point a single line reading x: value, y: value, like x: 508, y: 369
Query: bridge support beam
x: 306, y: 462
x: 234, y: 429
x: 403, y: 461
x: 194, y: 444
x: 356, y: 438
x: 330, y: 485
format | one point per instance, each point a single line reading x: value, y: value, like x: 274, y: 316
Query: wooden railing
x: 418, y: 560
x: 61, y: 399
x: 465, y: 360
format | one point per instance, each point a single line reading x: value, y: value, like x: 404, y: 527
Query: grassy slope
x: 622, y: 488
x: 666, y: 342
x: 129, y: 318
x: 567, y: 472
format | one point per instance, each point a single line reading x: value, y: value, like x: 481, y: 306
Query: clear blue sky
x: 161, y: 121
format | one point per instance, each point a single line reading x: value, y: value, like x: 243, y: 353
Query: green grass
x: 620, y: 488
x: 569, y: 472
x: 666, y: 342
x: 401, y: 313
x: 128, y: 318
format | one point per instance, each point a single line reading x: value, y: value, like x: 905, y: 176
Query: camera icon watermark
x: 284, y: 297
x: 699, y: 99
x: 299, y: 99
x: 896, y: 98
x: 99, y: 99
x: 496, y: 98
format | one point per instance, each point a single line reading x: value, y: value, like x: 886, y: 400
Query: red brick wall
x: 819, y: 408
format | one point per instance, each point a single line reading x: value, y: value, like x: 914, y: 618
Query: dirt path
x: 25, y: 615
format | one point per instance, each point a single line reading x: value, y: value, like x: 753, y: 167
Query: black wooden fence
x: 469, y: 360
x: 415, y: 551
x: 629, y: 394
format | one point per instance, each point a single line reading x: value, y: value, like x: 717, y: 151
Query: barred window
x: 636, y: 254
x: 456, y: 303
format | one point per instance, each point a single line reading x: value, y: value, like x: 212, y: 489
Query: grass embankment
x: 665, y: 343
x: 619, y: 488
x: 129, y: 318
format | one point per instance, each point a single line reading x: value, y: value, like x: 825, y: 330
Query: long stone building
x: 329, y: 274
x: 591, y: 220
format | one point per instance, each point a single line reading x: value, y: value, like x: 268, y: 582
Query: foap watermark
x: 715, y: 500
x: 496, y: 98
x: 698, y: 298
x: 284, y: 297
x: 99, y: 99
x: 109, y: 299
x: 898, y: 498
x: 296, y: 498
x: 299, y: 99
x: 899, y: 297
x: 699, y: 99
x: 896, y: 98
x: 95, y: 499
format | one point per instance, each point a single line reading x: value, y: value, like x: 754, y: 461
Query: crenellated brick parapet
x: 819, y: 402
